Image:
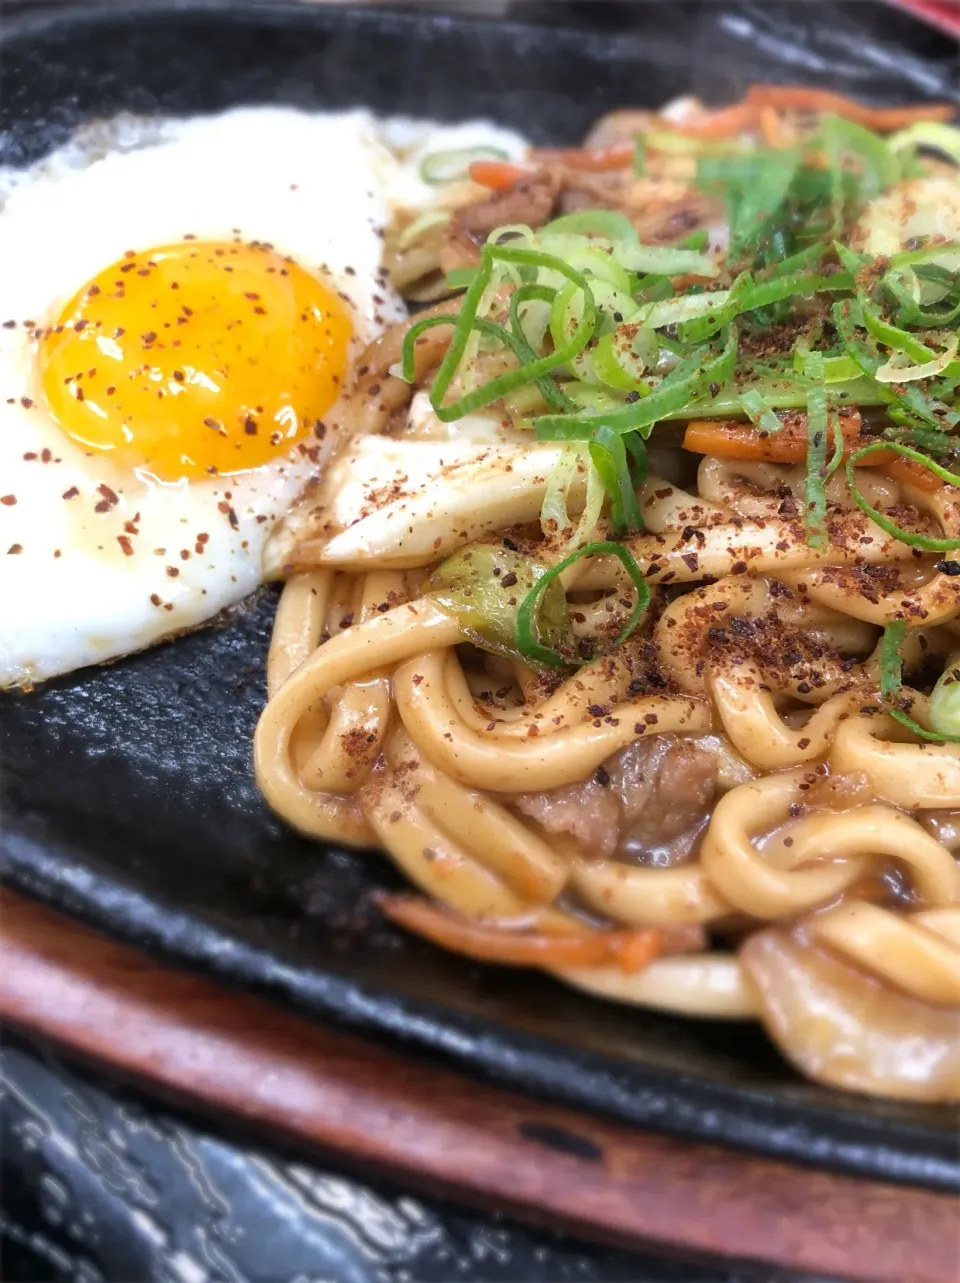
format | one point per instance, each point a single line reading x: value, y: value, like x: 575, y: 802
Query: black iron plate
x: 127, y: 792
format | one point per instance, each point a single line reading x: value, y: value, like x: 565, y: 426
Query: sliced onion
x: 897, y: 372
x: 841, y: 1027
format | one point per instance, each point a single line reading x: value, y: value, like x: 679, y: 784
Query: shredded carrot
x: 496, y: 174
x: 639, y: 949
x: 913, y: 473
x: 722, y: 123
x: 632, y: 948
x: 723, y: 439
x: 771, y: 126
x: 688, y: 279
x: 595, y: 159
x: 882, y: 119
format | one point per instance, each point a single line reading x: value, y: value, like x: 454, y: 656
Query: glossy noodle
x: 739, y: 798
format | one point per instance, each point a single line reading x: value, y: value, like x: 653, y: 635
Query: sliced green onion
x: 696, y: 240
x: 674, y: 311
x: 928, y: 133
x: 668, y: 260
x: 758, y: 411
x: 528, y: 642
x: 762, y: 199
x: 891, y: 684
x: 608, y: 223
x: 554, y: 514
x: 944, y: 703
x: 839, y: 444
x: 549, y: 390
x: 691, y: 379
x: 622, y: 357
x: 639, y: 460
x: 879, y: 167
x: 639, y: 155
x: 815, y: 495
x: 701, y: 328
x: 468, y: 321
x: 863, y: 350
x: 894, y: 373
x: 609, y: 456
x: 915, y: 539
x: 780, y: 394
x: 929, y: 440
x: 795, y: 284
x: 906, y: 285
x: 531, y: 293
x: 407, y: 368
x: 801, y: 261
x: 891, y: 335
x: 453, y: 166
x: 460, y: 278
x: 927, y: 254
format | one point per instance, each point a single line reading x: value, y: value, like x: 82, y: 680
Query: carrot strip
x: 496, y: 174
x: 913, y: 473
x: 882, y: 119
x: 723, y: 439
x: 631, y: 949
x: 722, y: 123
x: 730, y: 440
x: 771, y: 126
x: 687, y: 279
x: 594, y: 159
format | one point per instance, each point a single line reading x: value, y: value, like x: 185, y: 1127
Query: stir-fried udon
x: 627, y: 619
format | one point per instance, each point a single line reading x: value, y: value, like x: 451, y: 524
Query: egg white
x: 121, y: 563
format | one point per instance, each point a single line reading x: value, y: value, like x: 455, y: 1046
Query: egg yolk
x: 196, y: 358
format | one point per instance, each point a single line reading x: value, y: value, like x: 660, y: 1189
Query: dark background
x: 98, y: 1182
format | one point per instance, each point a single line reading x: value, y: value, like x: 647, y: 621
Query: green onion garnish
x: 930, y: 134
x: 758, y: 411
x: 891, y: 684
x: 761, y: 200
x: 915, y: 539
x: 690, y: 379
x: 815, y: 494
x: 944, y: 703
x: 527, y: 642
x: 609, y: 456
x: 453, y: 166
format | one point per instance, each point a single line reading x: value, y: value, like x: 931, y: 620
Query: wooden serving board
x: 442, y: 1132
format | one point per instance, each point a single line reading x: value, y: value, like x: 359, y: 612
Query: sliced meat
x: 582, y: 190
x: 668, y: 786
x: 621, y: 126
x: 647, y: 804
x: 663, y: 210
x: 459, y: 249
x: 590, y: 813
x: 530, y: 201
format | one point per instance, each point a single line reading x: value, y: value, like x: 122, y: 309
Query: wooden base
x: 441, y: 1132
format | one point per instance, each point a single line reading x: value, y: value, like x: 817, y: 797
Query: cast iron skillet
x: 128, y: 797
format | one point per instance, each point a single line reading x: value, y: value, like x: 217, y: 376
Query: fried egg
x: 182, y: 303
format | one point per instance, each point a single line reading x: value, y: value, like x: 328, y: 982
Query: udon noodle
x: 718, y: 814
